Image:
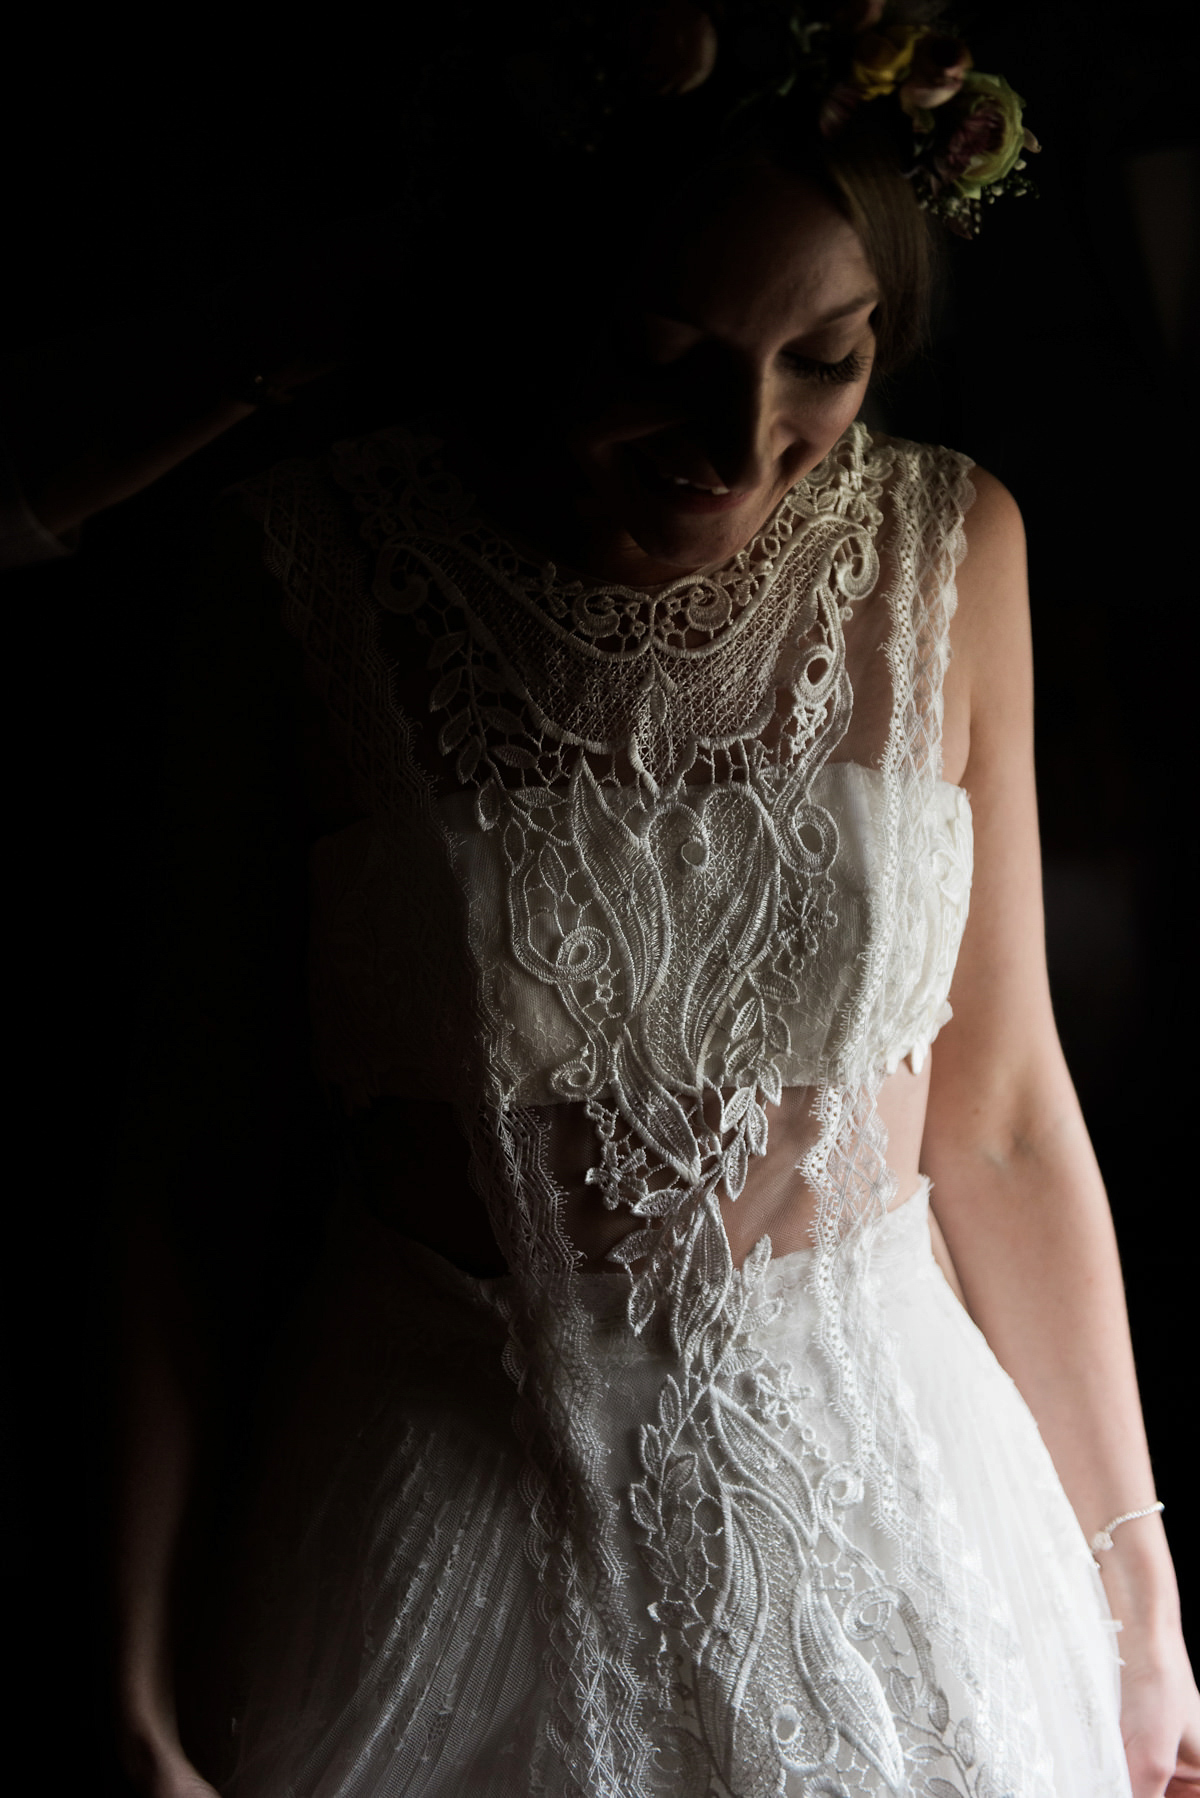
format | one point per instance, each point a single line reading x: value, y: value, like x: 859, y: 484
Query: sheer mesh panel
x: 644, y: 877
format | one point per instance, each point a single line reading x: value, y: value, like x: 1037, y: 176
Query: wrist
x: 1103, y: 1539
x: 146, y: 1724
x: 1139, y: 1577
x: 146, y: 1747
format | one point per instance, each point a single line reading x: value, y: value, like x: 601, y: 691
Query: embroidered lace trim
x: 815, y: 1621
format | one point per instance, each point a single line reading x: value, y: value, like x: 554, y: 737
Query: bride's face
x: 742, y: 355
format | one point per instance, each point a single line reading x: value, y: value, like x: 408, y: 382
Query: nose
x: 732, y: 421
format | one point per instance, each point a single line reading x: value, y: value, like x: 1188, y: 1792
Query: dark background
x: 1063, y: 359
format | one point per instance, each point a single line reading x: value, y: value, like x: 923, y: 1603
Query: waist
x: 894, y: 1247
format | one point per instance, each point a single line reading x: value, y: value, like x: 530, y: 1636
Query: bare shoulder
x: 990, y: 677
x: 993, y: 572
x: 994, y: 511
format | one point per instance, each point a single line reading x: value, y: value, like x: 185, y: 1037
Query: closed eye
x: 850, y: 368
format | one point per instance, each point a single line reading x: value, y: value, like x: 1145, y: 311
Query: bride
x: 714, y: 1384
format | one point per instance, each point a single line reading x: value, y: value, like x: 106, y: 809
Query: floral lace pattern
x: 651, y: 767
x: 744, y: 1512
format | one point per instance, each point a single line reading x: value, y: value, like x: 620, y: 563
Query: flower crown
x: 968, y: 132
x: 968, y: 137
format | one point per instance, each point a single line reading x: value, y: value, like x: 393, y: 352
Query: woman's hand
x: 1160, y: 1714
x: 1160, y: 1706
x: 158, y: 1768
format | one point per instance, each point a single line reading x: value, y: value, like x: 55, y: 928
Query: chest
x: 691, y: 840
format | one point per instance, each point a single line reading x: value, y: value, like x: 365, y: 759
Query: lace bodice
x: 661, y: 854
x: 369, y: 984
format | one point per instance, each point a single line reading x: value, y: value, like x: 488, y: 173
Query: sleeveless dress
x: 662, y: 865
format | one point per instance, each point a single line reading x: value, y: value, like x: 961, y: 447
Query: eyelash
x: 848, y: 369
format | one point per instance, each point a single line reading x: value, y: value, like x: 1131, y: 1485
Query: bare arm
x: 219, y: 1129
x: 89, y: 422
x: 113, y: 445
x: 157, y: 1448
x: 1017, y: 1190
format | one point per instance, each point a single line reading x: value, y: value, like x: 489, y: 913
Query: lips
x: 680, y: 480
x: 678, y: 491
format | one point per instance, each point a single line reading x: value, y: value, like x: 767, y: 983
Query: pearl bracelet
x: 1103, y: 1538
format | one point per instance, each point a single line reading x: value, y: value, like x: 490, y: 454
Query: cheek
x: 821, y: 410
x: 807, y: 428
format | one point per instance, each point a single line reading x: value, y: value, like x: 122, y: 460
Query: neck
x: 530, y: 491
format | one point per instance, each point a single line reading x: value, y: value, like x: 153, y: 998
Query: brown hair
x: 681, y: 162
x: 866, y: 183
x: 861, y: 171
x: 530, y: 221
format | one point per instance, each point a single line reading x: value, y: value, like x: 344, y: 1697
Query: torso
x: 416, y: 1176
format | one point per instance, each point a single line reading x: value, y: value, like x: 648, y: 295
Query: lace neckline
x: 741, y: 667
x: 689, y: 616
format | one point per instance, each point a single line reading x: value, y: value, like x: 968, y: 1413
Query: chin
x: 684, y: 552
x: 686, y: 541
x: 681, y: 530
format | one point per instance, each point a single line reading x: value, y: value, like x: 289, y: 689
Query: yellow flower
x: 882, y: 59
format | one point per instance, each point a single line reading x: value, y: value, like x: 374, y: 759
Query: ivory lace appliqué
x: 630, y: 791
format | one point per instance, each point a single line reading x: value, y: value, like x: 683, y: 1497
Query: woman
x: 648, y: 1431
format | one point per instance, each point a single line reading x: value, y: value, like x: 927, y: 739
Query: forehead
x: 773, y: 248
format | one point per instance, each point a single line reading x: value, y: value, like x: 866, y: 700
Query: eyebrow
x: 870, y: 298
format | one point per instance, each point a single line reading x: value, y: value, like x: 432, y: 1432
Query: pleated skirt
x: 387, y: 1639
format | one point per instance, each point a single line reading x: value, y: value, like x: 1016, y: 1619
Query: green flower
x: 986, y: 135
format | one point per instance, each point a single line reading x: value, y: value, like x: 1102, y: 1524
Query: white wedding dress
x: 665, y: 868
